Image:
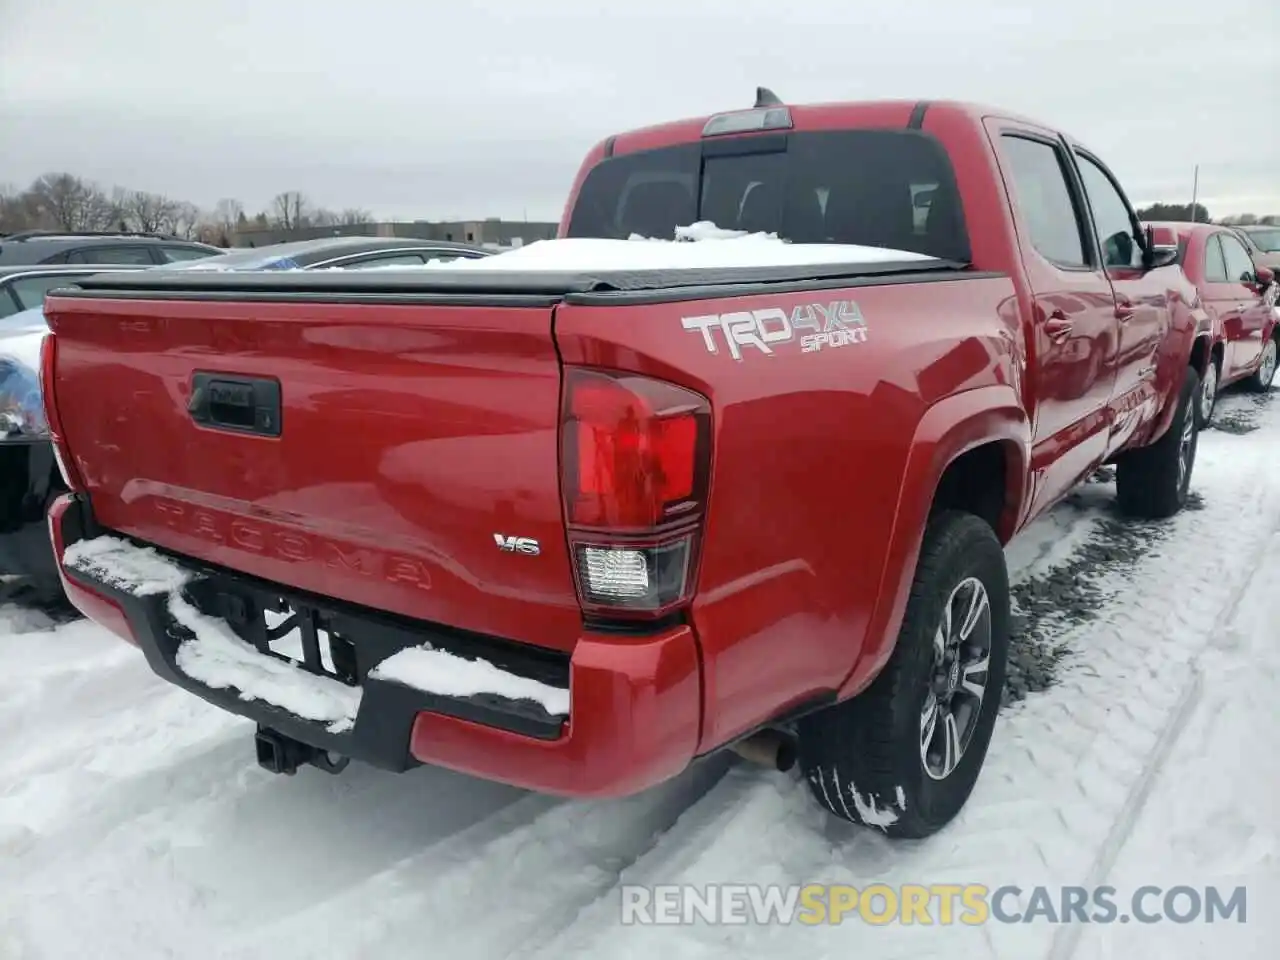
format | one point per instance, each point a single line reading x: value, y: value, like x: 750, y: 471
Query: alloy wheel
x: 1268, y: 369
x: 1208, y: 392
x: 1186, y: 449
x: 958, y: 682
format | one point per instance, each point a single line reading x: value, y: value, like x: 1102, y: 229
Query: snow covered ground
x: 134, y: 822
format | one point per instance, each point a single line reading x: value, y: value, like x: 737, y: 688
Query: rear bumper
x: 28, y: 479
x: 633, y: 720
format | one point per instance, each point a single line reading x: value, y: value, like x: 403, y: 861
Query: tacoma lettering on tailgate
x: 835, y: 324
x: 291, y: 545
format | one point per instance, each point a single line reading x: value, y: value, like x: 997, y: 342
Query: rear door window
x: 30, y: 291
x: 131, y: 253
x: 1045, y: 200
x: 849, y: 186
x: 172, y: 254
x: 1215, y: 269
x: 381, y: 260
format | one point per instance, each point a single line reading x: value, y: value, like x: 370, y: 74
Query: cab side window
x: 1240, y: 268
x: 1111, y: 215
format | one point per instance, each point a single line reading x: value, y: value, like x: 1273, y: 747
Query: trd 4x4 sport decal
x: 836, y: 324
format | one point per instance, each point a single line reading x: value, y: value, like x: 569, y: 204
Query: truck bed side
x: 825, y: 460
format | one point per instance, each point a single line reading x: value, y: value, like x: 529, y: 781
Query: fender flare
x: 1191, y: 322
x: 950, y: 428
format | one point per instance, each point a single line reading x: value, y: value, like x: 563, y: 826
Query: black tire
x: 1207, y: 396
x: 1152, y: 482
x: 863, y: 758
x: 1262, y: 378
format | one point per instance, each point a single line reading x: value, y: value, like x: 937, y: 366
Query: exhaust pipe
x: 768, y: 748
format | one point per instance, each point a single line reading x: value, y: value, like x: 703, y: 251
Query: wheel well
x: 976, y: 482
x: 1200, y: 354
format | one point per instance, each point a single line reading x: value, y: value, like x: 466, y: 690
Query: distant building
x: 492, y: 232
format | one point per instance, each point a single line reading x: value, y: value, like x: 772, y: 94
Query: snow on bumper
x: 619, y: 715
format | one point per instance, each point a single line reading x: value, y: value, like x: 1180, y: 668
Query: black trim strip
x: 321, y: 296
x: 628, y: 298
x: 608, y: 147
x: 916, y: 120
x: 742, y: 146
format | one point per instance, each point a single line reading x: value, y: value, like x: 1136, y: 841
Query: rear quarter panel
x: 824, y: 465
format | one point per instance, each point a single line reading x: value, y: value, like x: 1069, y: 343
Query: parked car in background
x: 138, y: 249
x: 563, y: 517
x: 1239, y: 296
x: 1263, y: 243
x: 23, y: 288
x: 28, y: 473
x: 29, y: 477
x: 345, y: 253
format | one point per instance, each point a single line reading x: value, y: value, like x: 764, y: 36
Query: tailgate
x: 382, y: 454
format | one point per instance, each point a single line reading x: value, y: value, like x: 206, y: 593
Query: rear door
x: 1227, y: 302
x: 1074, y: 331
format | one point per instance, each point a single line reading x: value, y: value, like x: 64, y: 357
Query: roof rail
x: 39, y: 234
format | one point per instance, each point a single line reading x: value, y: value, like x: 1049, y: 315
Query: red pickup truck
x: 1239, y: 296
x: 575, y: 516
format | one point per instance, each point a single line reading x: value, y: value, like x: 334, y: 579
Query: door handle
x: 1124, y: 309
x: 1058, y: 328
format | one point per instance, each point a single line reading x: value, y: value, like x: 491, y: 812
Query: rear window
x: 879, y: 188
x: 1267, y: 240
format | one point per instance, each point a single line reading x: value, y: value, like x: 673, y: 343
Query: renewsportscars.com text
x: 928, y: 904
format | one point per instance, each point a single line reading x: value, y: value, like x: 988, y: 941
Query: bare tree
x: 16, y: 210
x: 354, y: 215
x: 289, y: 210
x: 148, y: 212
x: 70, y: 203
x: 227, y: 215
x: 320, y: 217
x: 184, y: 221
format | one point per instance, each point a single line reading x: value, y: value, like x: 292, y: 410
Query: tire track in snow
x: 510, y: 881
x: 1067, y: 938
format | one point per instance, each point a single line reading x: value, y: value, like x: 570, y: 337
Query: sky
x: 461, y: 109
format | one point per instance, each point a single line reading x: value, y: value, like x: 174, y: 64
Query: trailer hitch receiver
x: 284, y: 755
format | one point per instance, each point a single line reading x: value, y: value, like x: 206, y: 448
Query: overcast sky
x: 471, y: 108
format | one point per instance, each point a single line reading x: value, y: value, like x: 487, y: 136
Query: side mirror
x: 1266, y: 276
x: 1161, y: 247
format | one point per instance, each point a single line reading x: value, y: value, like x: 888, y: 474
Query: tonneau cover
x: 445, y: 281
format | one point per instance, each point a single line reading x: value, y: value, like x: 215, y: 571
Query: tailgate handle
x: 242, y: 404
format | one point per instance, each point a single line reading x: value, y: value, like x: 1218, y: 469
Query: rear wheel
x: 1262, y: 379
x: 905, y: 754
x: 1152, y: 482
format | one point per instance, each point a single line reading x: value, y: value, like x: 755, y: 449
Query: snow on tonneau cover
x: 344, y: 443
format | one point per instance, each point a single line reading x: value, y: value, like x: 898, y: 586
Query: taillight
x: 635, y: 459
x: 61, y: 455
